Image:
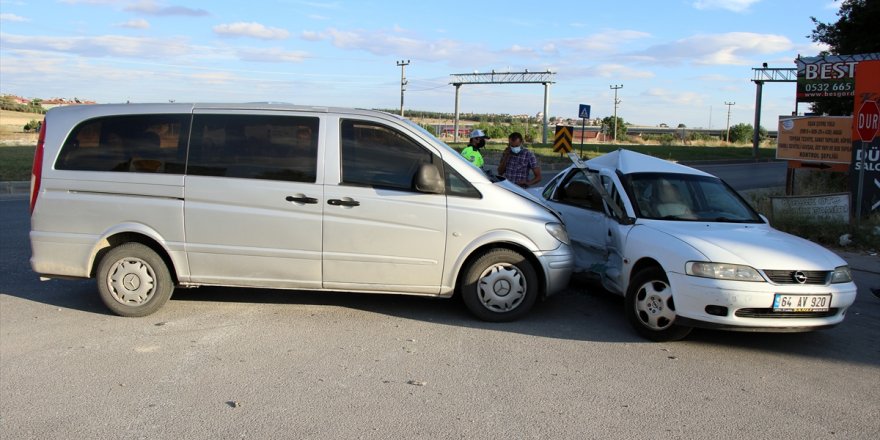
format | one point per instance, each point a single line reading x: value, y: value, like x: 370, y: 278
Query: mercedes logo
x: 800, y: 277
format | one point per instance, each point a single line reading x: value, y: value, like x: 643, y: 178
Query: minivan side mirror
x: 429, y: 180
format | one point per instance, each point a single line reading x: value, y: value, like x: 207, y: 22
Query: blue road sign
x: 584, y: 111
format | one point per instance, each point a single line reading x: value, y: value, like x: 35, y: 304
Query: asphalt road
x: 236, y: 363
x: 748, y: 175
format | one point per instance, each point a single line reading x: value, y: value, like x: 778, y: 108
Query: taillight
x: 37, y: 169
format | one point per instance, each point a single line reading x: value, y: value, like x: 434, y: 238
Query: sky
x: 679, y: 61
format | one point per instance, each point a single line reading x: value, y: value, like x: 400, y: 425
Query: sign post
x: 867, y: 123
x: 584, y: 114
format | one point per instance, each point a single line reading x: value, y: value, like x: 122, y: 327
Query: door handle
x: 338, y: 202
x: 301, y: 199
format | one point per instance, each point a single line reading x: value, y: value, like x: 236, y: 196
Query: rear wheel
x: 133, y: 280
x: 650, y: 307
x: 500, y: 285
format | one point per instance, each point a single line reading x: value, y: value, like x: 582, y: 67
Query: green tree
x: 742, y: 133
x: 854, y: 32
x: 608, y: 127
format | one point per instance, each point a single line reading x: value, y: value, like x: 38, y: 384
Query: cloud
x: 734, y: 48
x: 396, y: 43
x: 215, y: 78
x: 616, y: 71
x: 273, y: 55
x: 99, y: 46
x: 690, y: 99
x: 605, y: 41
x: 138, y: 23
x: 730, y: 5
x: 12, y: 17
x: 251, y: 29
x: 151, y: 7
x: 89, y: 2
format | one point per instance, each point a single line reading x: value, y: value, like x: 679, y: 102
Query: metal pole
x: 583, y: 128
x: 756, y: 138
x: 614, y: 135
x: 546, y: 100
x: 729, y: 105
x: 863, y: 153
x: 455, y: 126
x: 402, y: 65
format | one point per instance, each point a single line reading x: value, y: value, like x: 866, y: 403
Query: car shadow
x: 582, y: 312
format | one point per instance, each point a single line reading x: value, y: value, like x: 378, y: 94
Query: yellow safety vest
x: 473, y: 155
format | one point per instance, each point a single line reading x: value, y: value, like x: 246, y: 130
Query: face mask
x: 480, y: 144
x: 515, y: 150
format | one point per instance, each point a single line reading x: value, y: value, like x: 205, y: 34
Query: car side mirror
x: 429, y: 180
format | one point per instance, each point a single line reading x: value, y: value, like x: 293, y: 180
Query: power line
x: 729, y: 105
x: 402, y: 65
x: 616, y: 101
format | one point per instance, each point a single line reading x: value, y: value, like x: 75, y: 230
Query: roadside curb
x: 15, y: 187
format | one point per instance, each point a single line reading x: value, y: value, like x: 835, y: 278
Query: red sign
x: 868, y: 120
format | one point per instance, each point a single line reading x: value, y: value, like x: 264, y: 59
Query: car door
x: 253, y: 199
x: 380, y: 234
x: 581, y: 208
x: 617, y: 229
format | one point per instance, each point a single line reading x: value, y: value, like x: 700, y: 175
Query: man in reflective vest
x: 472, y: 151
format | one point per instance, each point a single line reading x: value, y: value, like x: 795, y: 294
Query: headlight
x: 841, y: 274
x: 558, y: 232
x: 722, y: 271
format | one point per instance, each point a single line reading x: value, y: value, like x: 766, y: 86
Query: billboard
x: 815, y: 139
x: 828, y: 76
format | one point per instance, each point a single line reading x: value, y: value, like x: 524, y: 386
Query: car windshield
x: 664, y: 196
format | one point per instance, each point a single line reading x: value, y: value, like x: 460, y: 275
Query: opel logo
x: 800, y: 277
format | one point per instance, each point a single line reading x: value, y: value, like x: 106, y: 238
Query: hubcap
x: 501, y: 287
x: 132, y: 281
x: 654, y: 305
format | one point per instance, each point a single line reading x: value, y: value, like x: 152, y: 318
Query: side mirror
x: 429, y: 180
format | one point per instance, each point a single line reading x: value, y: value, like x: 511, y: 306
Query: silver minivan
x: 149, y: 197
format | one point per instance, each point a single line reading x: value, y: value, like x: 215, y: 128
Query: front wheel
x: 133, y: 280
x: 650, y: 308
x: 500, y: 285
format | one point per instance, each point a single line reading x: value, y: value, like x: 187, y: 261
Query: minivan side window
x: 378, y: 156
x: 254, y: 146
x: 130, y: 143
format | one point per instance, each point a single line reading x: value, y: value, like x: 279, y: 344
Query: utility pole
x: 616, y: 101
x: 729, y: 105
x: 402, y: 65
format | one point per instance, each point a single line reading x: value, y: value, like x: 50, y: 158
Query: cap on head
x: 478, y: 134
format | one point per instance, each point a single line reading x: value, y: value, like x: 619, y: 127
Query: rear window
x: 131, y: 143
x: 254, y: 146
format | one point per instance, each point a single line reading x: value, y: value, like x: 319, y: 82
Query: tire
x: 499, y: 286
x: 133, y: 280
x: 650, y: 307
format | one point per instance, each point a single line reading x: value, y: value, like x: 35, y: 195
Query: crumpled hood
x: 756, y: 245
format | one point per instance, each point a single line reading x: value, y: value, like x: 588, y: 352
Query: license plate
x: 801, y: 303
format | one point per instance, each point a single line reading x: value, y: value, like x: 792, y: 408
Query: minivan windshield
x: 666, y: 196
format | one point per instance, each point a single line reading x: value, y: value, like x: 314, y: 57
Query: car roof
x: 629, y: 162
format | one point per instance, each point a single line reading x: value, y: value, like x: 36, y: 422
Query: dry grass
x: 12, y: 128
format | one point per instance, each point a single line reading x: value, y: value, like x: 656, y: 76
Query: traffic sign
x: 562, y: 143
x: 584, y: 111
x: 868, y: 121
